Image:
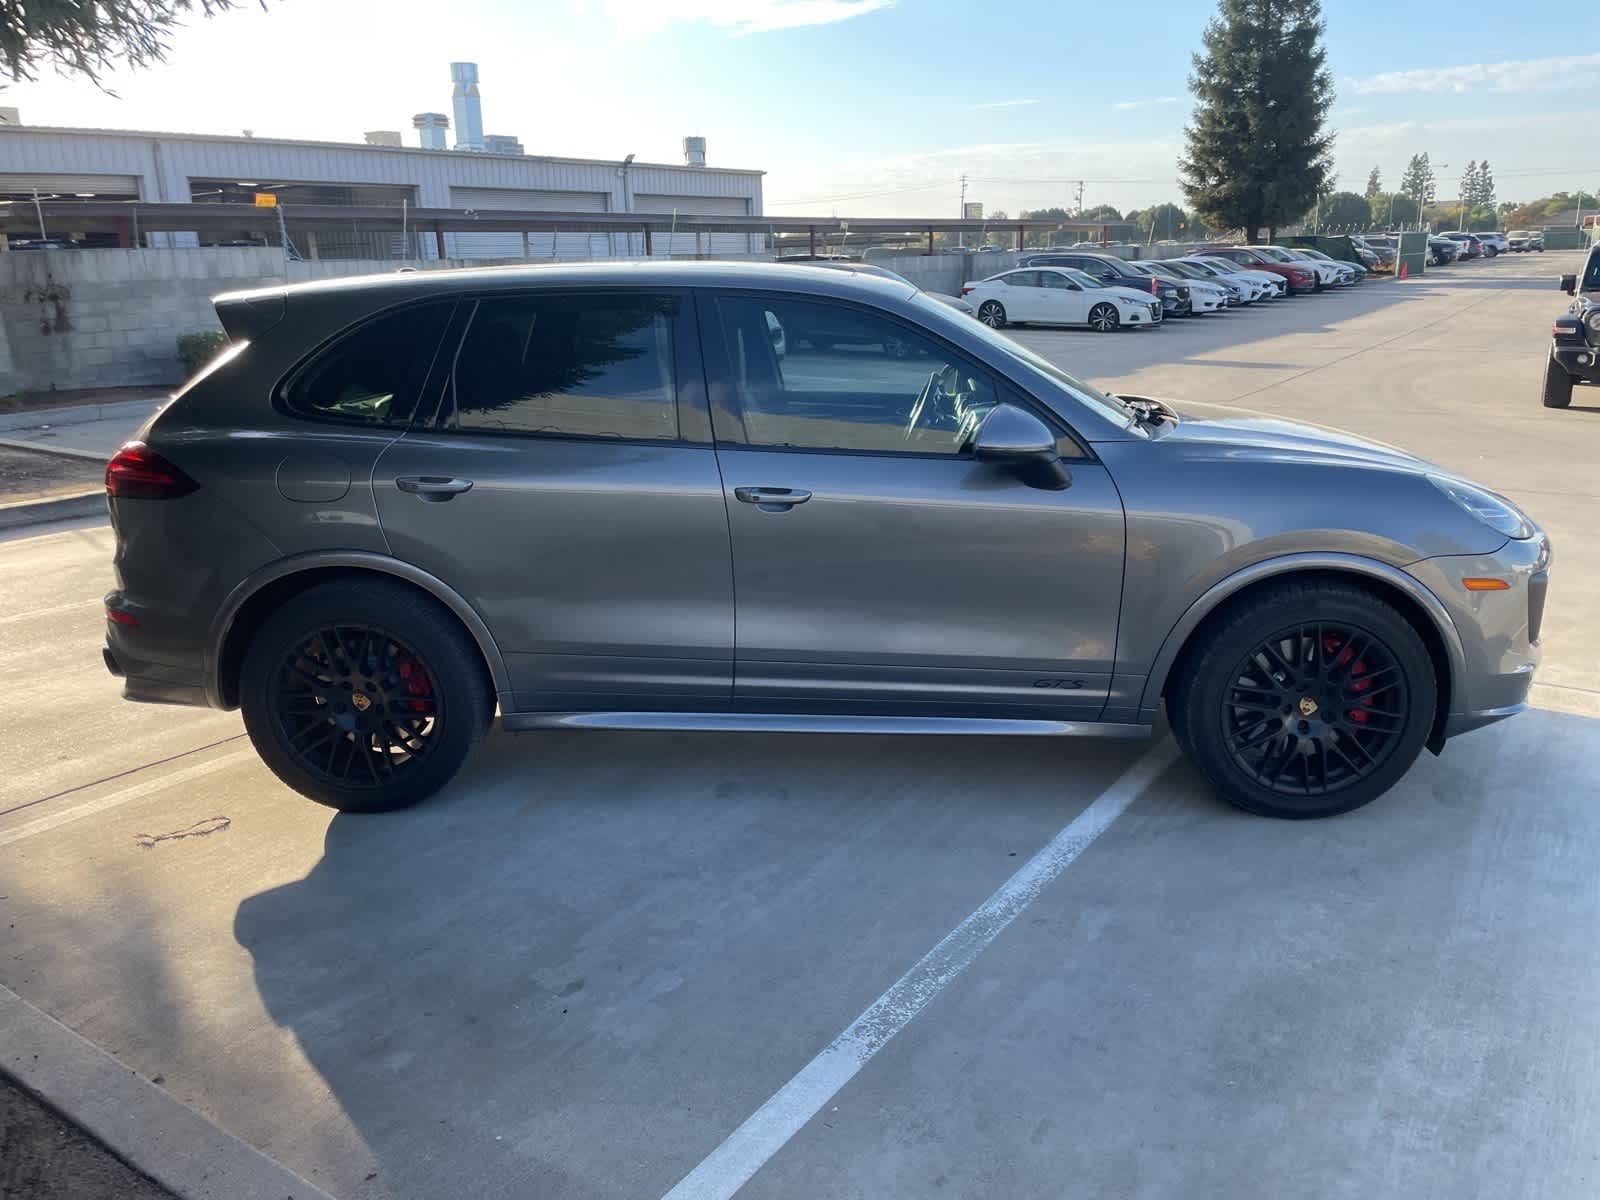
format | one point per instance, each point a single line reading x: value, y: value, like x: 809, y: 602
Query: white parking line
x: 121, y: 796
x: 766, y: 1131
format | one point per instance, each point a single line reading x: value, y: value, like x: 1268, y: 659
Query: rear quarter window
x: 373, y: 374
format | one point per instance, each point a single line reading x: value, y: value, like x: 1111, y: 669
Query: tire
x: 420, y: 697
x: 1103, y: 318
x: 1491, y: 251
x: 1224, y: 704
x: 993, y: 314
x: 1557, y: 389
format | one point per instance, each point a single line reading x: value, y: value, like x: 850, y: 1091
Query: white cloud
x: 738, y: 17
x: 1521, y: 75
x: 1005, y: 104
x: 1125, y: 105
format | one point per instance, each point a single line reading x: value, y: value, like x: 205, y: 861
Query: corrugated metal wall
x: 165, y: 163
x: 511, y: 245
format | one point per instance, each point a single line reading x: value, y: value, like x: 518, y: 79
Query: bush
x: 195, y: 350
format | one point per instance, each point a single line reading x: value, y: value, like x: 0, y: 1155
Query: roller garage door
x: 103, y: 187
x: 540, y: 244
x: 707, y: 206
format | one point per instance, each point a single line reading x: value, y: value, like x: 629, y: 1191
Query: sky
x: 862, y: 107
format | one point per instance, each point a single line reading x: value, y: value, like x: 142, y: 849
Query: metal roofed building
x: 133, y: 167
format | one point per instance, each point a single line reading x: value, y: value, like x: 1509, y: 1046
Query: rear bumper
x: 154, y: 667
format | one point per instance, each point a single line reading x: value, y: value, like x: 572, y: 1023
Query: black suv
x: 1575, y: 336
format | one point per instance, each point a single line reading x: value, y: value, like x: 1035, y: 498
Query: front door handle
x: 433, y: 488
x: 769, y: 499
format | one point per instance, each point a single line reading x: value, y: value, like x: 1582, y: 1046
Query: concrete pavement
x: 584, y: 967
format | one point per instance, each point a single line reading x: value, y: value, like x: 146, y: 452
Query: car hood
x: 1263, y: 436
x: 1131, y: 295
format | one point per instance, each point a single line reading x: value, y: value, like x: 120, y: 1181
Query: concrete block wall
x: 111, y: 318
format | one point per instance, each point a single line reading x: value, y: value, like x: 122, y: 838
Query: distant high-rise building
x: 464, y: 99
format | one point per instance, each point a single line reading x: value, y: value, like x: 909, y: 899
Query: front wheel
x: 364, y: 695
x: 993, y: 314
x: 1305, y: 700
x: 1492, y: 251
x: 1103, y: 318
x: 1557, y: 390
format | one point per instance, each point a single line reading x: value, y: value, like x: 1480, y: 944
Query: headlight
x: 1593, y: 321
x: 1499, y: 515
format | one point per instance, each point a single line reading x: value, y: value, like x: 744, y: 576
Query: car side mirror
x: 1013, y: 437
x: 1074, y: 287
x: 1569, y: 284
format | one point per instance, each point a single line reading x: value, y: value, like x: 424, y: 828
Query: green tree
x: 1343, y: 212
x: 1485, y: 191
x: 1103, y: 213
x: 1417, y: 181
x: 1161, y: 221
x: 84, y: 37
x: 1469, y: 183
x: 1391, y: 209
x: 1374, y: 184
x: 1257, y: 149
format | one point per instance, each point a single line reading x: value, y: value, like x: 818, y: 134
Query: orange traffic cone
x: 1404, y: 272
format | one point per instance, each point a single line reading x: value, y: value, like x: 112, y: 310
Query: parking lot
x: 628, y: 965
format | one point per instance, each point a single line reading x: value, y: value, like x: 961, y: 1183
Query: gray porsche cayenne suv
x: 756, y: 497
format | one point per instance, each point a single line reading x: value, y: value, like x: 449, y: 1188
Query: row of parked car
x: 1106, y: 293
x: 1446, y: 248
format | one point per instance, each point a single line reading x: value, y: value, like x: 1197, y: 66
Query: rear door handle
x: 769, y: 499
x: 433, y: 488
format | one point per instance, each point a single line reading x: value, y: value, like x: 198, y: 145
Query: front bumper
x: 1578, y: 359
x: 1499, y: 630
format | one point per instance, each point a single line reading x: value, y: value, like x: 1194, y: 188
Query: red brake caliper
x: 416, y: 681
x: 1330, y: 646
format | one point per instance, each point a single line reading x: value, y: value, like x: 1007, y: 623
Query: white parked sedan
x: 1059, y: 296
x: 1250, y: 287
x: 1276, y: 285
x: 1204, y: 296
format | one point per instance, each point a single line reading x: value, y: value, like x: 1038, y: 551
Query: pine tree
x: 1374, y: 184
x: 1469, y: 184
x: 1263, y: 67
x: 1485, y: 185
x: 1418, y: 181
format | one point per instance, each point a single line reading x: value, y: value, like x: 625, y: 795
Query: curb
x: 141, y: 1123
x: 58, y: 508
x: 63, y: 451
x: 77, y: 414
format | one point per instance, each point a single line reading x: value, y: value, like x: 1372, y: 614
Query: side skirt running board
x: 787, y: 723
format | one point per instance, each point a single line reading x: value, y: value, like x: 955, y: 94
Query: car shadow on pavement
x: 590, y: 939
x: 579, y: 968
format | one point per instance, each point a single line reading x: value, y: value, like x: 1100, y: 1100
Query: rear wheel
x: 1103, y: 318
x: 1557, y: 391
x: 1305, y: 700
x: 363, y: 695
x: 993, y: 314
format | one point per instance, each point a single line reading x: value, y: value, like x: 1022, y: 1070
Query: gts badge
x: 1065, y: 685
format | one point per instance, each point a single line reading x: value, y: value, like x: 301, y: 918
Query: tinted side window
x: 1021, y: 279
x: 372, y: 375
x: 823, y: 376
x: 569, y: 366
x: 1591, y: 274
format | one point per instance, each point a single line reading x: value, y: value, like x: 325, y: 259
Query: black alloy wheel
x: 1304, y: 698
x: 993, y: 314
x: 356, y: 706
x: 1103, y: 318
x: 1315, y: 708
x: 364, y: 694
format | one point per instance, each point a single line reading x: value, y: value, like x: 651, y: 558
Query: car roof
x: 833, y: 279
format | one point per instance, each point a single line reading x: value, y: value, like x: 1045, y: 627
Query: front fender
x: 299, y: 564
x: 1296, y: 564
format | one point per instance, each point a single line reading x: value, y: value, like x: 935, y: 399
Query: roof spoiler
x: 247, y: 315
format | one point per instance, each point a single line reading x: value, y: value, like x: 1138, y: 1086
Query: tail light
x: 137, y: 472
x: 965, y: 288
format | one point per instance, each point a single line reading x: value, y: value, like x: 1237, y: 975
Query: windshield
x: 1162, y: 269
x: 1313, y: 254
x: 1222, y: 266
x: 1082, y: 277
x: 1133, y: 268
x: 1189, y: 270
x: 1107, y: 406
